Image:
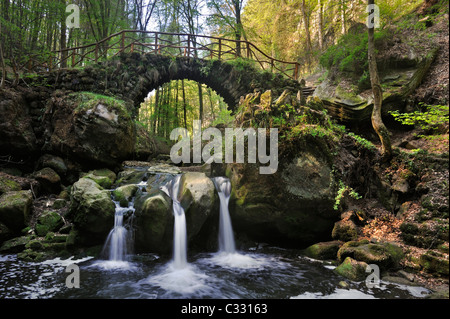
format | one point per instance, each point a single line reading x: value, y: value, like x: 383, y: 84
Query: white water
x: 179, y: 228
x: 226, y: 236
x: 119, y: 243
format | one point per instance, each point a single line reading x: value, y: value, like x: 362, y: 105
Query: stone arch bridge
x: 131, y: 76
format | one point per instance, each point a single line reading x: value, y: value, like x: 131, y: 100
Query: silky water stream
x: 262, y: 272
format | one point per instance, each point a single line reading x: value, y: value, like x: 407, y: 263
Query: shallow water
x: 263, y: 274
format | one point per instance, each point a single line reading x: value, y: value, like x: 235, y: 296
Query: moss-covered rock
x: 8, y: 184
x: 197, y: 196
x: 91, y: 209
x: 345, y: 230
x: 90, y: 128
x: 324, y: 250
x: 49, y: 180
x: 48, y: 221
x: 124, y: 194
x: 352, y: 269
x: 15, y: 245
x: 103, y: 177
x: 385, y: 255
x: 434, y: 262
x: 15, y: 209
x: 154, y: 222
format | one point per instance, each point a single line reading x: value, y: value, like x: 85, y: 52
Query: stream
x: 262, y: 272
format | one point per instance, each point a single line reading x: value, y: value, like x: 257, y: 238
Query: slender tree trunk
x: 2, y: 83
x: 377, y: 121
x: 200, y: 101
x: 176, y: 106
x: 63, y: 37
x: 307, y: 34
x: 184, y: 104
x: 156, y: 116
x: 343, y: 19
x: 320, y: 24
x: 238, y: 30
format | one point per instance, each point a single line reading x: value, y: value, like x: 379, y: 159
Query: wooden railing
x: 171, y: 44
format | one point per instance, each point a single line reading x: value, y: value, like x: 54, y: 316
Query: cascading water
x: 226, y: 237
x: 179, y: 229
x: 119, y: 241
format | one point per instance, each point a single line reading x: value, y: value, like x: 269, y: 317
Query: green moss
x: 8, y: 185
x: 89, y: 100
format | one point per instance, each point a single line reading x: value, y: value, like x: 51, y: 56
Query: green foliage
x: 344, y: 190
x: 430, y: 119
x: 362, y: 141
x: 349, y: 55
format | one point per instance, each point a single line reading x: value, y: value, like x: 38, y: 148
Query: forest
x: 302, y: 31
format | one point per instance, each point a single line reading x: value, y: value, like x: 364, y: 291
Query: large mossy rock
x: 7, y: 184
x: 384, y: 255
x: 197, y: 197
x: 153, y: 222
x: 15, y: 209
x: 324, y: 250
x: 48, y: 221
x: 91, y: 210
x: 103, y: 177
x: 154, y: 218
x: 90, y: 128
x: 292, y: 207
x: 352, y: 269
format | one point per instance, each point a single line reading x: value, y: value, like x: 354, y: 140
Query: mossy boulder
x: 197, y: 197
x: 103, y: 177
x: 91, y: 209
x: 154, y: 222
x: 49, y: 180
x: 7, y: 184
x: 124, y: 194
x: 345, y: 230
x: 54, y: 162
x: 352, y: 269
x: 384, y: 255
x: 15, y: 209
x: 434, y: 262
x: 90, y: 129
x: 324, y: 250
x: 15, y: 245
x: 48, y: 221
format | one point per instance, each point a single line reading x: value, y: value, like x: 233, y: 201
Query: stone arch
x: 130, y: 76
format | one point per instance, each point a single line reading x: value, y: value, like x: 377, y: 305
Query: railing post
x: 132, y: 47
x: 248, y: 50
x: 122, y: 44
x: 271, y: 65
x: 73, y: 57
x: 189, y: 46
x: 220, y: 48
x: 156, y: 43
x: 296, y: 72
x: 96, y: 52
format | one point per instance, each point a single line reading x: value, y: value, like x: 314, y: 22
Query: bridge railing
x: 172, y: 44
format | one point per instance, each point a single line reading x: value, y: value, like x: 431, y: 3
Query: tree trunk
x: 200, y: 100
x: 320, y: 24
x: 343, y: 22
x: 184, y: 104
x: 63, y: 42
x: 377, y: 121
x: 307, y: 34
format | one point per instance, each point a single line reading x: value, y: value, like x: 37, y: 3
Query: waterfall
x: 179, y: 228
x: 118, y: 244
x: 226, y: 237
